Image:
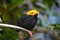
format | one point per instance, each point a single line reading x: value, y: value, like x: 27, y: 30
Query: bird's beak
x: 37, y: 12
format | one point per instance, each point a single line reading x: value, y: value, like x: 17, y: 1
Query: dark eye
x: 32, y: 13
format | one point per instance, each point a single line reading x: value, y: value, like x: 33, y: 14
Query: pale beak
x: 37, y: 12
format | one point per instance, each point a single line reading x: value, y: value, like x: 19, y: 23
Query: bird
x: 28, y: 20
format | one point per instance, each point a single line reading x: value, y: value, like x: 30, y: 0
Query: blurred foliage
x: 56, y: 26
x: 10, y: 12
x: 49, y: 3
x: 8, y: 34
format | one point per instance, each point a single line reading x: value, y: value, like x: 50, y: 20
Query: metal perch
x: 17, y: 27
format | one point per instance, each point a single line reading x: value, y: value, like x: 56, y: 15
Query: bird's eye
x: 32, y: 13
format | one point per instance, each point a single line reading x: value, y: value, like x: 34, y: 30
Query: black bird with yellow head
x: 28, y: 20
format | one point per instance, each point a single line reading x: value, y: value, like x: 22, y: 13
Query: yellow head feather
x: 32, y: 12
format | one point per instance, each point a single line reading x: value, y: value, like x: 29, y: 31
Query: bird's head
x: 32, y: 12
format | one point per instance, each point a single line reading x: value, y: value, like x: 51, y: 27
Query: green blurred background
x: 49, y: 17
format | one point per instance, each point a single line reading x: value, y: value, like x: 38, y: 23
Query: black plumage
x: 27, y: 21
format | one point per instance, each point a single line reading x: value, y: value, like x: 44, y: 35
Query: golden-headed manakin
x: 28, y: 20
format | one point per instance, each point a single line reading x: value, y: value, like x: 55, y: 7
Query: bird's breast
x: 27, y: 22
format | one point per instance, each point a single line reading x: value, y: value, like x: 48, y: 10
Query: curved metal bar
x: 17, y: 27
